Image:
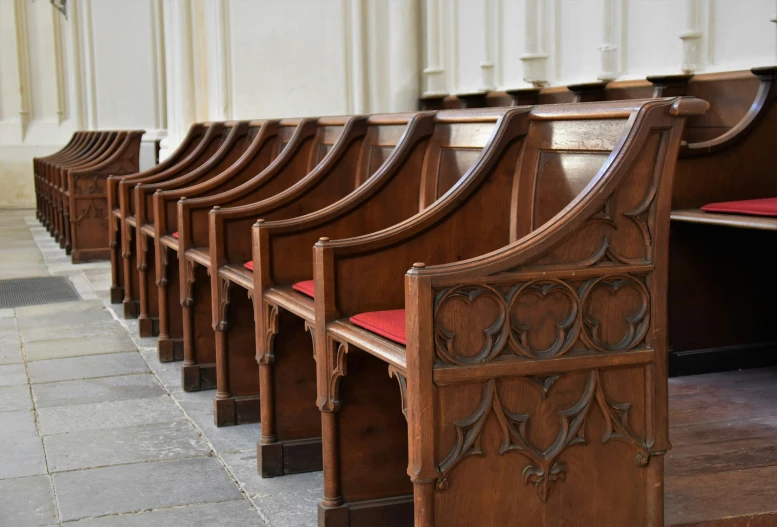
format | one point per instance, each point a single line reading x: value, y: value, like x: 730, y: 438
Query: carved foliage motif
x: 94, y: 210
x: 221, y: 320
x: 518, y: 311
x: 164, y: 260
x: 544, y: 469
x: 337, y: 353
x: 187, y: 293
x: 270, y: 324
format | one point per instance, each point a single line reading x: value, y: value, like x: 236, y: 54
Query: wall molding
x: 611, y: 49
x: 535, y: 57
x: 434, y: 72
x: 23, y: 65
x: 59, y: 63
x: 492, y: 34
x: 218, y: 26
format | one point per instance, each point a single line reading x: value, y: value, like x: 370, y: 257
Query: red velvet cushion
x: 249, y: 265
x: 306, y: 288
x: 389, y: 324
x: 175, y: 234
x: 752, y: 207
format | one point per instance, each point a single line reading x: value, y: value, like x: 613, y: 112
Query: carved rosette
x: 544, y: 468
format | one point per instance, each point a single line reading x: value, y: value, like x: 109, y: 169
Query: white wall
x: 162, y: 64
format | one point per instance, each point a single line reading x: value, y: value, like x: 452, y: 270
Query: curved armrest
x: 353, y: 215
x: 193, y: 213
x: 238, y: 220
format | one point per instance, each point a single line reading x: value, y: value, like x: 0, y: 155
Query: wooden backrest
x: 435, y: 150
x: 536, y: 164
x: 215, y: 136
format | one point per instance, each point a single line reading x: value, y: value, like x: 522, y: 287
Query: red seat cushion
x: 175, y: 234
x: 249, y: 265
x: 306, y: 288
x: 751, y: 207
x: 389, y: 324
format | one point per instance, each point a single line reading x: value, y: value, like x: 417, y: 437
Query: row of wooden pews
x: 464, y: 316
x: 70, y: 188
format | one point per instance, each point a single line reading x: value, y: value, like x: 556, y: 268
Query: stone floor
x: 95, y: 432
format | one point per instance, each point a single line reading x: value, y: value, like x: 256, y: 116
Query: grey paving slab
x: 10, y: 348
x: 7, y: 312
x: 224, y: 514
x: 116, y: 446
x: 86, y: 367
x: 132, y: 412
x: 132, y: 488
x: 13, y: 375
x: 103, y: 389
x: 290, y: 500
x: 27, y: 502
x: 15, y: 398
x: 199, y: 406
x: 8, y: 323
x: 76, y: 347
x: 105, y: 326
x: 21, y: 450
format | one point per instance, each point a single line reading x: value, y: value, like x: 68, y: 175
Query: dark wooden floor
x: 722, y: 469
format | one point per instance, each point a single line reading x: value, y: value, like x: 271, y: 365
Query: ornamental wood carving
x: 539, y: 319
x: 187, y: 293
x: 270, y: 322
x: 545, y: 468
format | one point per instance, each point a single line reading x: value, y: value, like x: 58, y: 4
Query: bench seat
x: 343, y: 330
x: 740, y: 221
x: 169, y: 241
x: 297, y: 303
x: 199, y: 255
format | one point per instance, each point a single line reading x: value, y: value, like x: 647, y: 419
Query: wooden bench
x: 345, y: 152
x: 185, y: 149
x: 237, y: 179
x: 86, y: 199
x: 37, y: 169
x: 533, y: 378
x: 435, y: 153
x: 71, y: 184
x: 214, y: 137
x: 721, y: 289
x: 241, y: 138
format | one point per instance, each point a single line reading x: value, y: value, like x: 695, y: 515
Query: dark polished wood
x: 70, y: 189
x: 434, y: 153
x: 547, y: 299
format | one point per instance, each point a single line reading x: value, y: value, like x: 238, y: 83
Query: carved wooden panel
x: 454, y: 163
x: 547, y: 439
x: 376, y: 156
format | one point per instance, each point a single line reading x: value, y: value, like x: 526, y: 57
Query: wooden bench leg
x: 148, y: 323
x: 198, y: 371
x: 237, y: 380
x: 364, y: 446
x: 291, y: 423
x: 129, y: 304
x: 114, y: 244
x: 170, y: 343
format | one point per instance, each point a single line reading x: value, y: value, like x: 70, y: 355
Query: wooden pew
x: 184, y: 150
x: 356, y: 147
x: 720, y: 309
x: 264, y: 140
x: 36, y: 169
x: 93, y: 149
x: 306, y: 142
x: 546, y: 311
x: 86, y: 200
x: 241, y: 135
x: 434, y: 154
x: 214, y: 137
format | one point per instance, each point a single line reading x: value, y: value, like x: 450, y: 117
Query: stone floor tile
x: 116, y: 446
x: 199, y: 406
x: 27, y: 502
x: 15, y: 398
x: 13, y: 375
x: 76, y: 306
x: 104, y: 389
x: 8, y: 324
x: 21, y: 451
x: 224, y: 514
x: 143, y: 486
x: 133, y: 412
x: 76, y: 347
x: 105, y: 327
x: 288, y: 501
x: 7, y: 312
x: 10, y: 348
x: 86, y: 367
